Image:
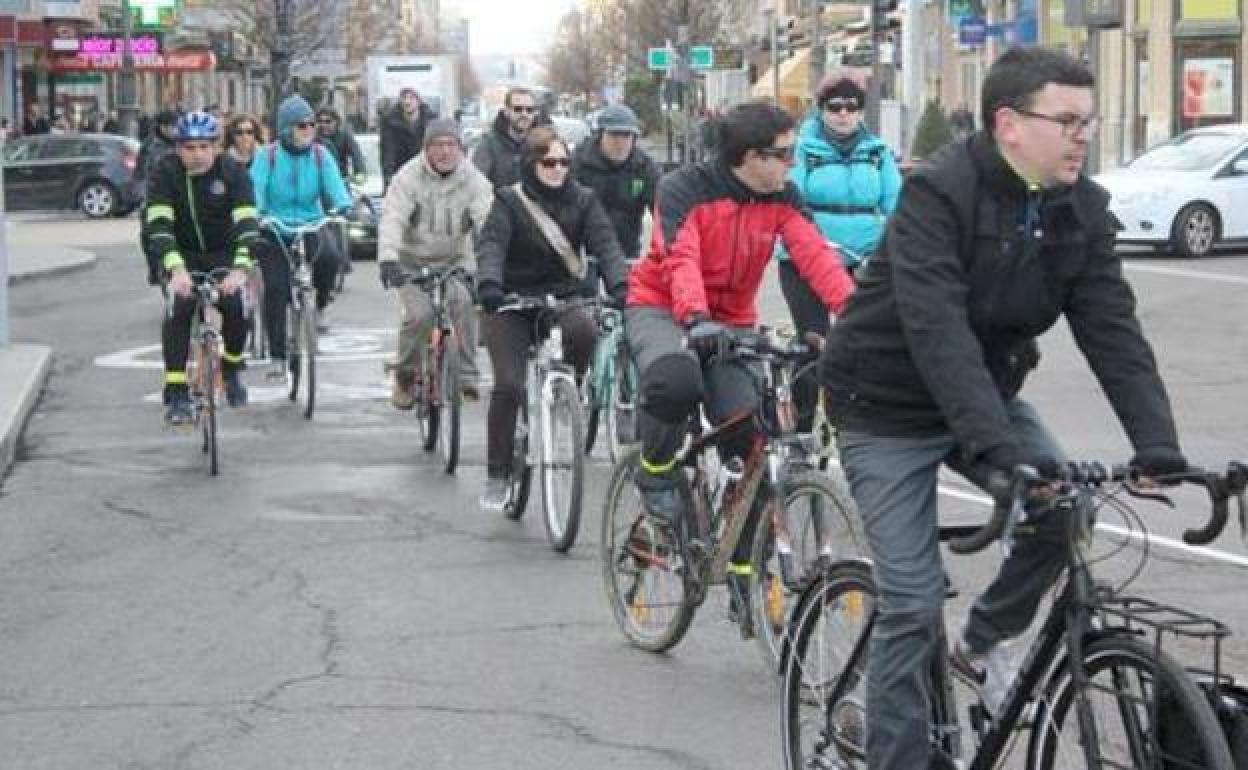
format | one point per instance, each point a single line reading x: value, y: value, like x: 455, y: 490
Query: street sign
x: 702, y: 57
x: 660, y: 59
x: 154, y: 13
x: 972, y: 31
x: 728, y: 57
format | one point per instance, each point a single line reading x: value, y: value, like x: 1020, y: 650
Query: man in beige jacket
x: 434, y: 205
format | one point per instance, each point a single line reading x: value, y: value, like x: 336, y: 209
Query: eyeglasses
x: 784, y: 153
x: 553, y: 162
x: 841, y: 105
x: 305, y: 124
x: 522, y: 109
x: 244, y: 132
x: 1072, y: 125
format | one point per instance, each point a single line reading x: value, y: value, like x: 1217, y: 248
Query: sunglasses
x: 326, y: 121
x: 553, y: 162
x: 305, y: 124
x: 841, y: 105
x: 777, y: 153
x: 524, y: 110
x: 244, y: 132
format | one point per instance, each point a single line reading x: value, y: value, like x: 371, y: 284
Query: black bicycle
x: 1093, y: 686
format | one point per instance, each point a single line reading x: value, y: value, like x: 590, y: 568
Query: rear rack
x: 1146, y: 616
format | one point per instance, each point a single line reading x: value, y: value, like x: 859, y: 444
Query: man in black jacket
x: 403, y: 132
x: 620, y: 173
x: 341, y: 143
x: 995, y: 238
x: 498, y: 154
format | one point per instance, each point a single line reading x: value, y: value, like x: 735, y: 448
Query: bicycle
x: 1092, y: 647
x: 551, y: 394
x: 257, y: 336
x: 612, y: 386
x: 203, y: 366
x: 301, y: 345
x: 656, y: 575
x: 441, y: 400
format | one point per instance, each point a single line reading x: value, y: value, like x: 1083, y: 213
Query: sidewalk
x: 24, y: 368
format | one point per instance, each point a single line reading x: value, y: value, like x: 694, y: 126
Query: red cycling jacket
x: 712, y: 241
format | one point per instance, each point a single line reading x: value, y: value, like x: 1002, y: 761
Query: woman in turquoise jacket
x: 848, y: 180
x: 296, y: 182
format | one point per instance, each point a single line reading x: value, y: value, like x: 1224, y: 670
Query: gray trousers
x: 416, y: 320
x: 894, y: 483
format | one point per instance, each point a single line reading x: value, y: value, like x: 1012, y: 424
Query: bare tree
x: 573, y: 63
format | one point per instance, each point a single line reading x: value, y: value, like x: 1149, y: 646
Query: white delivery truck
x: 434, y: 76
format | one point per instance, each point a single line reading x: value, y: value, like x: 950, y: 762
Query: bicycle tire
x: 521, y: 478
x: 1119, y: 654
x: 593, y: 415
x: 294, y: 347
x: 429, y: 411
x: 208, y: 370
x: 562, y: 525
x: 621, y: 393
x: 622, y: 552
x: 844, y: 592
x: 452, y: 400
x: 309, y: 359
x: 830, y: 533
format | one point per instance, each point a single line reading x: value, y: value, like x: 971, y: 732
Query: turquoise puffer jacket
x: 297, y: 189
x: 851, y: 196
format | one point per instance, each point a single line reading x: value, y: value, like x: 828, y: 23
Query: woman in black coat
x: 514, y: 256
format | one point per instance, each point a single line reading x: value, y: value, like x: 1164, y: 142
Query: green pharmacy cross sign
x: 151, y: 11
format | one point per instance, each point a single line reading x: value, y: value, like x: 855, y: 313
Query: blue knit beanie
x: 294, y: 109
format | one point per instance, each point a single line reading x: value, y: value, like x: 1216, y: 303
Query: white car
x: 1187, y: 194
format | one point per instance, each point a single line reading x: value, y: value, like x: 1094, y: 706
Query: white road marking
x: 1167, y: 542
x: 329, y: 391
x: 1185, y: 273
x: 338, y: 346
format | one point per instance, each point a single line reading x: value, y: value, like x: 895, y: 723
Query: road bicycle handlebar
x: 277, y: 226
x: 427, y: 276
x: 1026, y: 483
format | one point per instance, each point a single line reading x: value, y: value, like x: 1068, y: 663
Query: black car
x: 91, y: 172
x: 362, y: 231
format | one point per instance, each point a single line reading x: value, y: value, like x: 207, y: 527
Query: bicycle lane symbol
x: 339, y: 346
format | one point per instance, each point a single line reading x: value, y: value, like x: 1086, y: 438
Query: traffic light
x: 784, y: 36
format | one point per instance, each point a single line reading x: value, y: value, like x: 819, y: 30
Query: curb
x: 36, y: 362
x: 83, y: 261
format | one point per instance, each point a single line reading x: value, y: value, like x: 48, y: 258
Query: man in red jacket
x: 716, y: 224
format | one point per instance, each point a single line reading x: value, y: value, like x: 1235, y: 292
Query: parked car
x: 91, y: 172
x: 1185, y: 195
x: 366, y: 214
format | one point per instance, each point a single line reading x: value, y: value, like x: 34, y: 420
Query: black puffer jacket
x: 498, y: 154
x: 402, y: 139
x: 513, y: 254
x: 973, y: 268
x: 625, y: 190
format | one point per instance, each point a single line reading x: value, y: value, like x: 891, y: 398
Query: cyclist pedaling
x: 434, y: 205
x: 296, y: 182
x: 995, y: 238
x: 200, y: 215
x: 716, y: 226
x: 532, y: 245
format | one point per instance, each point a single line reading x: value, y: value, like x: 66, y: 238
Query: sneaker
x: 990, y: 673
x: 403, y: 394
x: 496, y: 493
x: 235, y: 390
x: 277, y: 376
x: 660, y: 494
x: 178, y: 410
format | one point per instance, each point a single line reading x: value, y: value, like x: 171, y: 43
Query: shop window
x: 1207, y: 84
x: 1143, y: 13
x: 1208, y: 10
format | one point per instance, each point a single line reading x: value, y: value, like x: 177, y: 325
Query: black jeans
x: 175, y: 333
x: 507, y: 338
x: 323, y: 250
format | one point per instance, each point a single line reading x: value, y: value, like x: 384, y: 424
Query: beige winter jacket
x: 430, y: 219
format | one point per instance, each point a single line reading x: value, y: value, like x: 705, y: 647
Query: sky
x: 513, y: 26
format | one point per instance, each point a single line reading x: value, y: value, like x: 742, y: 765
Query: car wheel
x: 1195, y: 231
x: 97, y: 200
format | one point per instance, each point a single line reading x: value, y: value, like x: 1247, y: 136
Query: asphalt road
x: 334, y: 601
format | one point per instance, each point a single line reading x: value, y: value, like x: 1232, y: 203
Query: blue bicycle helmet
x: 195, y: 126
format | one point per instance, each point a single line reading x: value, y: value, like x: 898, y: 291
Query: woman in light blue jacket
x: 296, y: 182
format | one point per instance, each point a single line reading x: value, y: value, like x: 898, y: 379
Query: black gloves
x: 1157, y: 462
x: 391, y: 275
x: 706, y: 337
x: 1006, y: 458
x: 491, y: 296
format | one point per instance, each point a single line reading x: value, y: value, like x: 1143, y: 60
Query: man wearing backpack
x: 296, y: 182
x: 995, y: 238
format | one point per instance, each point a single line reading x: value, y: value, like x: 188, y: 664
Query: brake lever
x: 1149, y: 493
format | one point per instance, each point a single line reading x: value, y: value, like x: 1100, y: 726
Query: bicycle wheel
x: 451, y: 400
x: 257, y: 334
x: 642, y: 570
x: 208, y: 373
x: 824, y: 719
x: 593, y: 412
x: 294, y: 346
x: 562, y: 470
x: 621, y: 401
x: 429, y: 409
x: 822, y: 524
x: 1127, y: 679
x: 521, y: 472
x: 308, y: 332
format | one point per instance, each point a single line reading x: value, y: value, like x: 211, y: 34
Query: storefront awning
x: 168, y: 62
